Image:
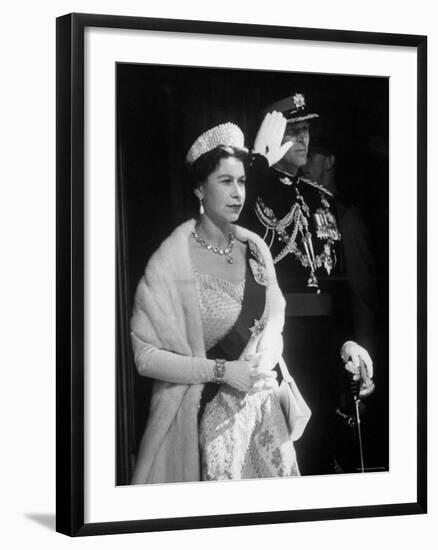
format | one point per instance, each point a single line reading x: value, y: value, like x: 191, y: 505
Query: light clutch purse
x: 295, y: 409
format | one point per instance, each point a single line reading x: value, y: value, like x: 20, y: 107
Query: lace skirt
x: 245, y: 436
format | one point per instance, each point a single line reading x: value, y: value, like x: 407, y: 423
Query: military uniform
x: 299, y: 221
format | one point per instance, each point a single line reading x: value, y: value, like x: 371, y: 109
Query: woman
x: 207, y: 325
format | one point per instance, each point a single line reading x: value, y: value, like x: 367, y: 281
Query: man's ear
x: 329, y: 163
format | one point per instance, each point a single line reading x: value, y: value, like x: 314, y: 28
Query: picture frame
x: 76, y: 216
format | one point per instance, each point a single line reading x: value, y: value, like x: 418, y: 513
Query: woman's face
x: 223, y: 192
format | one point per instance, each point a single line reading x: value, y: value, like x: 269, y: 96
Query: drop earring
x: 201, y: 207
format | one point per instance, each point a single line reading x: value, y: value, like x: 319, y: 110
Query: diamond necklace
x: 216, y: 250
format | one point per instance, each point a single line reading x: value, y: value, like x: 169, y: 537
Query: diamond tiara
x: 227, y: 134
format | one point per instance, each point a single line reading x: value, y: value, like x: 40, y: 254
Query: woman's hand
x: 269, y: 138
x: 356, y: 358
x: 248, y: 375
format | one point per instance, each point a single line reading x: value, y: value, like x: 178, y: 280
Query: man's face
x: 298, y: 133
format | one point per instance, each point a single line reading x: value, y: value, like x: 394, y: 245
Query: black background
x: 160, y: 112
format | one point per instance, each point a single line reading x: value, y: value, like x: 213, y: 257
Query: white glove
x: 355, y: 357
x: 269, y: 138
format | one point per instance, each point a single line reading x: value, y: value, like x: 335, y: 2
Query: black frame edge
x: 247, y: 29
x: 241, y: 520
x: 69, y: 276
x: 63, y: 224
x: 422, y: 275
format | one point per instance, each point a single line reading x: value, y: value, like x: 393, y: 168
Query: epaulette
x: 316, y: 185
x: 289, y: 179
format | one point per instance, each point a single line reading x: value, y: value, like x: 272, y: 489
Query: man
x: 296, y: 217
x: 295, y: 211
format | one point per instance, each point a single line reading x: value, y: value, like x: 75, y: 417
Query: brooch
x: 257, y: 328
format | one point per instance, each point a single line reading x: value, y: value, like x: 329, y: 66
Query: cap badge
x: 299, y: 101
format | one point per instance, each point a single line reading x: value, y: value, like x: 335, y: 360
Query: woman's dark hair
x: 208, y: 162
